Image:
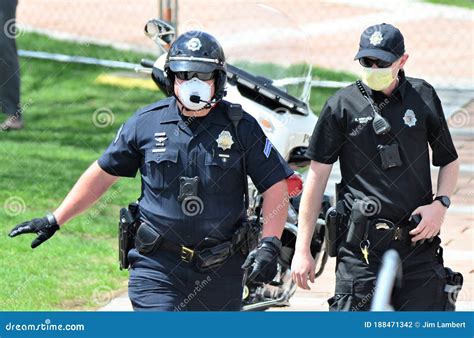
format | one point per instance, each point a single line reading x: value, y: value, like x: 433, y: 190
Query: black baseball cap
x: 383, y: 41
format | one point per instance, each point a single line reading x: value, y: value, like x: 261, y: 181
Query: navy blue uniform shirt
x: 159, y: 143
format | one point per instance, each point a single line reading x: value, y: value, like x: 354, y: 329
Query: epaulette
x: 155, y: 106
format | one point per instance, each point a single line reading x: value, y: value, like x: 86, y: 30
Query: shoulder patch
x: 268, y: 148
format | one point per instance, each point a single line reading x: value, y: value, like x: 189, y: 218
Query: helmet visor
x: 192, y: 66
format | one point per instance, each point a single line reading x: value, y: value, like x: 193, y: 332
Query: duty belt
x: 205, y: 258
x: 399, y: 233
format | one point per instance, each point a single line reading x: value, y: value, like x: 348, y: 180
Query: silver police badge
x: 376, y: 38
x: 194, y: 44
x: 409, y: 118
x: 224, y: 141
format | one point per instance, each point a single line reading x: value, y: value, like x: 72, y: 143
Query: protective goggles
x: 190, y: 75
x: 366, y: 62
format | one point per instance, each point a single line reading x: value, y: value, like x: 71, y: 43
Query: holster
x: 213, y: 257
x: 336, y: 229
x: 357, y: 229
x: 128, y: 224
x: 245, y: 238
x: 454, y: 282
x: 147, y: 239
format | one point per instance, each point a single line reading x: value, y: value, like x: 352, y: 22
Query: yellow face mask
x: 377, y: 78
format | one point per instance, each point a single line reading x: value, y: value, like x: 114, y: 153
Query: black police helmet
x: 197, y: 51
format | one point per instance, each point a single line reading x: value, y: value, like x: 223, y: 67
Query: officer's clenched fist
x: 44, y: 227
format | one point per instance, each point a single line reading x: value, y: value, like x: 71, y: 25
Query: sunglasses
x: 190, y: 75
x: 366, y: 62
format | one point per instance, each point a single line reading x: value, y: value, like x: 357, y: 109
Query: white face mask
x: 194, y: 87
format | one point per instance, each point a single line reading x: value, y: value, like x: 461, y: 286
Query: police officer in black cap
x: 193, y: 151
x: 381, y: 129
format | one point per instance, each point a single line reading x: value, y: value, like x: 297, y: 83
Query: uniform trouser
x: 422, y: 287
x: 9, y: 67
x: 162, y: 282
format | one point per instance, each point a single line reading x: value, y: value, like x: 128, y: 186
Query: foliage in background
x: 458, y: 3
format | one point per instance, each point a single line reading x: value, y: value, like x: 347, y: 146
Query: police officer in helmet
x: 194, y: 151
x: 380, y: 129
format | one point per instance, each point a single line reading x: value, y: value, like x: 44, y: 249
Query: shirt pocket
x: 162, y: 169
x: 223, y: 172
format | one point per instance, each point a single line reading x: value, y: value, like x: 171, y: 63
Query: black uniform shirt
x: 344, y: 130
x: 158, y: 141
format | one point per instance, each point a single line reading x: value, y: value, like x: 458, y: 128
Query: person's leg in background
x: 9, y: 68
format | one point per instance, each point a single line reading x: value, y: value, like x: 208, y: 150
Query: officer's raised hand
x: 44, y: 227
x: 262, y: 261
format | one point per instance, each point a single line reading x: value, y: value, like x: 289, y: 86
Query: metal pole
x: 77, y: 59
x: 175, y: 23
x: 167, y: 11
x: 389, y: 272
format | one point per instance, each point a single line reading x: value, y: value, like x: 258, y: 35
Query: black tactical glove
x: 44, y: 227
x: 263, y: 260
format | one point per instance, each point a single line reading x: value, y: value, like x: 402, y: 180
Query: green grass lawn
x: 77, y: 268
x: 458, y: 3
